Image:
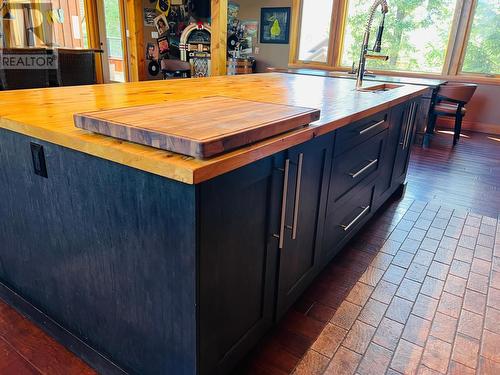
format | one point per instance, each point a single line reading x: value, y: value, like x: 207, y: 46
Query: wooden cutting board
x: 201, y: 127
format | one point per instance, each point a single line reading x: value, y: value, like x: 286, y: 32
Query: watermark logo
x: 34, y: 25
x: 27, y: 61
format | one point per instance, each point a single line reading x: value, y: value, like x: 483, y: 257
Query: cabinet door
x: 239, y: 213
x: 309, y: 166
x: 397, y: 119
x: 404, y: 143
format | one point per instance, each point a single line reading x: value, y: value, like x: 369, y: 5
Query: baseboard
x: 481, y: 127
x: 93, y: 358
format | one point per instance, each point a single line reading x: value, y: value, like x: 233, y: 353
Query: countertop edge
x: 188, y: 173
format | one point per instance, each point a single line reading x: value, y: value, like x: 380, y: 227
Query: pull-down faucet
x: 366, y: 39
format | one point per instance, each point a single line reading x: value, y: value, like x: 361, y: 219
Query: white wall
x: 270, y: 55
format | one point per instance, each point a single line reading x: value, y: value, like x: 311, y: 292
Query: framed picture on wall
x: 275, y: 25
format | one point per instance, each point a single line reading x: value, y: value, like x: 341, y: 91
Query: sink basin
x: 344, y: 74
x: 378, y: 88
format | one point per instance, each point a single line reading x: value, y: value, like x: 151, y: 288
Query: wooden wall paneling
x: 14, y: 30
x: 135, y: 38
x: 74, y: 10
x: 38, y: 20
x: 218, y: 45
x: 66, y: 37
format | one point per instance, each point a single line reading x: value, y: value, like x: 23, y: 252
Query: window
x: 483, y: 48
x: 315, y: 30
x: 415, y: 37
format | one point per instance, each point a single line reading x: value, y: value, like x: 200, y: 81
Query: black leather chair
x: 74, y: 67
x: 450, y: 101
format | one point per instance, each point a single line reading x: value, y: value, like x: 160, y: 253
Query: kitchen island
x: 145, y: 261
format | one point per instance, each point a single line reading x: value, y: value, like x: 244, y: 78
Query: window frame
x: 454, y: 57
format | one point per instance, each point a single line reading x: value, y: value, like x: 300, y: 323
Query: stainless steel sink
x: 379, y: 88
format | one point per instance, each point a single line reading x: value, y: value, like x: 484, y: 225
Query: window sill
x: 467, y: 78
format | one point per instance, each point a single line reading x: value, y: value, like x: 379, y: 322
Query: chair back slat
x: 459, y: 92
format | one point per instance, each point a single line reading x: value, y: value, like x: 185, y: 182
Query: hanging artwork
x: 149, y: 16
x: 161, y: 24
x: 275, y: 25
x: 163, y: 45
x: 163, y: 6
x: 151, y: 51
x: 233, y: 11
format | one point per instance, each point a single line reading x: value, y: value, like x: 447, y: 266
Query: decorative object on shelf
x: 275, y: 25
x: 195, y: 48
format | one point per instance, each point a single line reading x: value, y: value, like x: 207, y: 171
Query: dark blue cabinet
x: 238, y: 255
x: 306, y: 193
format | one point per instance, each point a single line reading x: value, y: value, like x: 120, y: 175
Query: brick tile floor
x: 417, y: 292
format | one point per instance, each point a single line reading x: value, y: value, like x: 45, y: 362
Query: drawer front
x: 356, y: 165
x: 343, y: 221
x: 358, y: 132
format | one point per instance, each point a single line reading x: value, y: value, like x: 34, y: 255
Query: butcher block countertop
x: 47, y: 114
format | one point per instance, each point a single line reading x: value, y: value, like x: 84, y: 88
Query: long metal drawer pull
x: 281, y: 235
x: 407, y: 125
x: 356, y: 219
x: 406, y: 122
x: 410, y: 122
x: 369, y: 165
x: 371, y: 127
x: 297, y: 197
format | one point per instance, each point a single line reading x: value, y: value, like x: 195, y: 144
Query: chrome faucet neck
x: 366, y: 39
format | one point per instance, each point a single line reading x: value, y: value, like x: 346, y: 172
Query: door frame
x: 97, y: 23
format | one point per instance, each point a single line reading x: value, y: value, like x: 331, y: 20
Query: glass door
x: 113, y: 40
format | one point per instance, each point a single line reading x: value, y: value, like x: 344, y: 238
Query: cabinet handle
x: 407, y: 120
x: 297, y: 197
x: 410, y: 123
x: 369, y: 165
x: 371, y: 127
x: 356, y: 219
x: 281, y: 235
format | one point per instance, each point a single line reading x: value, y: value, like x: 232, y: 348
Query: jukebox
x: 195, y: 48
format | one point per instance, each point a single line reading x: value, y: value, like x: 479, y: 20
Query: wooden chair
x: 450, y: 101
